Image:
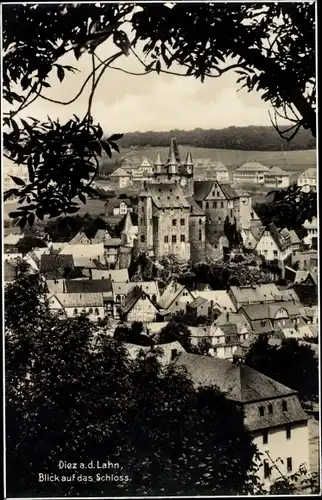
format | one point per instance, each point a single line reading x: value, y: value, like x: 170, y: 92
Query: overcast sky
x: 125, y: 103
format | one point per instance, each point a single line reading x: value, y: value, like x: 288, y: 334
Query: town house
x: 273, y: 415
x: 138, y: 306
x: 274, y: 244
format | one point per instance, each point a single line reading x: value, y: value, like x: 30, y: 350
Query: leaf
x: 115, y: 137
x: 16, y: 131
x: 72, y: 210
x: 45, y: 84
x: 27, y: 126
x: 31, y: 219
x: 22, y: 222
x: 82, y: 198
x: 25, y: 82
x: 30, y: 169
x: 17, y: 180
x: 106, y: 147
x: 9, y: 193
x: 158, y: 67
x: 60, y: 73
x: 96, y: 146
x: 114, y: 146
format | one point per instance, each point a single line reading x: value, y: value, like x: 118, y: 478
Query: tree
x: 70, y: 390
x: 291, y: 364
x: 28, y: 243
x: 273, y: 51
x: 288, y: 208
x: 175, y: 331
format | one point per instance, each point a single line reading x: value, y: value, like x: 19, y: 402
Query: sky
x: 126, y: 103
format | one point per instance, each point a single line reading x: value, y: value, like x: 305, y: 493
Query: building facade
x: 307, y: 180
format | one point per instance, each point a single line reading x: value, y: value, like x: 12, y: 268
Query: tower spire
x: 159, y: 161
x: 189, y: 160
x: 174, y: 152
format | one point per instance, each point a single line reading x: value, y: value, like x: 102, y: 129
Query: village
x: 194, y: 271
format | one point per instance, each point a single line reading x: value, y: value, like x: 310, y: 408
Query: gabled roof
x: 80, y: 236
x: 88, y: 286
x: 55, y: 286
x: 115, y: 275
x: 240, y: 382
x: 218, y: 297
x: 55, y: 264
x: 80, y: 299
x: 199, y: 301
x: 202, y: 189
x: 308, y: 173
x: 133, y: 296
x: 228, y: 191
x: 101, y: 235
x: 268, y: 311
x: 218, y: 166
x: 278, y: 171
x: 119, y: 172
x: 281, y: 241
x: 170, y: 293
x: 252, y: 166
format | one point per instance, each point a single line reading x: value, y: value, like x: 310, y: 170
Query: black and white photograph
x: 160, y: 233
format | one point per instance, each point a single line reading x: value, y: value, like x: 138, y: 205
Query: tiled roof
x: 230, y: 317
x: 167, y: 195
x: 55, y: 286
x: 199, y: 301
x: 297, y: 333
x: 165, y: 350
x: 115, y: 275
x: 195, y: 209
x: 88, y: 286
x: 171, y: 291
x: 219, y: 297
x: 119, y: 172
x: 228, y: 191
x: 79, y: 237
x: 101, y: 235
x: 202, y: 189
x: 80, y: 299
x: 88, y: 251
x: 294, y: 237
x: 278, y: 171
x: 309, y: 173
x: 240, y: 382
x: 55, y: 264
x: 131, y: 299
x: 252, y: 166
x: 218, y: 166
x: 268, y: 311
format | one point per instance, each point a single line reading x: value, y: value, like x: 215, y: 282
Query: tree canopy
x: 291, y: 364
x: 271, y: 48
x: 74, y: 395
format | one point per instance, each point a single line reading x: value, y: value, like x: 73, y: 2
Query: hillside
x: 292, y: 161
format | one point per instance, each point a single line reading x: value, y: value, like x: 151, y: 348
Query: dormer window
x: 261, y: 411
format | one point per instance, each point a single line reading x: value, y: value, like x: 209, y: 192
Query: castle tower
x: 158, y: 165
x: 172, y: 163
x: 174, y: 151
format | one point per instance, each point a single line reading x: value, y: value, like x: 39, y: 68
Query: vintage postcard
x: 160, y: 249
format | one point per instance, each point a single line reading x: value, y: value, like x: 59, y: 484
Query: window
x: 275, y: 253
x: 218, y: 194
x: 182, y: 222
x: 267, y: 469
x: 207, y: 204
x: 284, y: 405
x: 166, y: 239
x: 265, y: 437
x: 142, y: 210
x: 200, y: 221
x: 261, y: 411
x: 288, y: 432
x: 75, y: 310
x: 142, y: 221
x: 214, y: 205
x: 289, y: 464
x: 221, y: 204
x: 96, y: 311
x: 200, y: 234
x: 142, y: 238
x: 174, y: 238
x: 174, y: 222
x: 90, y: 310
x: 182, y: 238
x: 270, y: 409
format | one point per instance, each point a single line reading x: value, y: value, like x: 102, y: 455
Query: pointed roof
x: 158, y: 162
x: 189, y: 160
x: 127, y: 223
x: 174, y: 155
x: 80, y: 236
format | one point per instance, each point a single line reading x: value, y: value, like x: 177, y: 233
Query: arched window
x: 118, y: 298
x: 96, y: 311
x: 75, y: 310
x: 90, y: 310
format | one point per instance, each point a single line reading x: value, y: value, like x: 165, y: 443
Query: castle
x: 183, y: 217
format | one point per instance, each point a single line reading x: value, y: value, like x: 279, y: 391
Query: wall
x: 165, y: 228
x: 269, y: 249
x: 197, y: 235
x: 297, y: 447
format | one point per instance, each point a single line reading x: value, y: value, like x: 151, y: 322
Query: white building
x: 307, y: 180
x: 74, y: 304
x: 251, y: 172
x: 273, y: 415
x: 277, y: 178
x: 274, y: 244
x: 312, y: 232
x: 120, y: 178
x: 218, y: 171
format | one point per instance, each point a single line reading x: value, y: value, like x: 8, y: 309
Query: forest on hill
x: 243, y: 138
